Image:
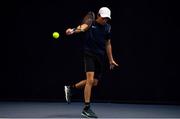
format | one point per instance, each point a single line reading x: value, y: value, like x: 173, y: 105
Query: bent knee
x: 90, y: 82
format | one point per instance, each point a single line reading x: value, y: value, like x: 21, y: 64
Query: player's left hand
x: 113, y: 64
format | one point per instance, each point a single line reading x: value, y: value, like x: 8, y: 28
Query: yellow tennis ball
x: 55, y: 35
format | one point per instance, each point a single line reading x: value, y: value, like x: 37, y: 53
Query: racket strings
x: 89, y: 19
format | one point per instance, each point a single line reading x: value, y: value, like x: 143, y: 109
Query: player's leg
x: 97, y: 69
x: 88, y: 86
x: 90, y: 81
x: 79, y: 85
x: 87, y: 95
x: 82, y: 84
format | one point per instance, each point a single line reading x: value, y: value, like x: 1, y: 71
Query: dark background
x: 145, y: 36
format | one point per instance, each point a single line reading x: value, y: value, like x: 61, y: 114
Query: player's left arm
x: 109, y: 54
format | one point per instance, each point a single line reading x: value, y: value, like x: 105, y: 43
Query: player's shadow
x: 64, y: 116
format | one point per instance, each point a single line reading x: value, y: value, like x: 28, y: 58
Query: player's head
x: 105, y: 12
x: 104, y: 15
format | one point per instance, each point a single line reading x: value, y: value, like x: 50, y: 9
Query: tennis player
x: 97, y: 45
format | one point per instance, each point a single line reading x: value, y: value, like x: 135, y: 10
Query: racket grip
x: 73, y: 29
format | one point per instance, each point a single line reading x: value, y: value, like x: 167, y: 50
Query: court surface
x: 103, y: 110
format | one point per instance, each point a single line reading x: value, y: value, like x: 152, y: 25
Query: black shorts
x: 94, y: 63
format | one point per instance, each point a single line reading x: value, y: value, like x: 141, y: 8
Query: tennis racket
x: 88, y: 19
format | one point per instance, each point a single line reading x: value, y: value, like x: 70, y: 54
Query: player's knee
x: 90, y: 82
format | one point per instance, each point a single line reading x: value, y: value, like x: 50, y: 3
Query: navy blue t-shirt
x: 96, y: 37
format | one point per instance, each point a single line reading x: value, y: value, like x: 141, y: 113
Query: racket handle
x: 74, y: 29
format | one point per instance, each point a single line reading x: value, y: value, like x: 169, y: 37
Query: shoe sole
x: 85, y: 116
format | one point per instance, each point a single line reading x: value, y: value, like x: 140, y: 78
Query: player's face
x: 102, y: 20
x: 105, y: 19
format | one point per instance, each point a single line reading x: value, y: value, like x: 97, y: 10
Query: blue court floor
x: 73, y: 110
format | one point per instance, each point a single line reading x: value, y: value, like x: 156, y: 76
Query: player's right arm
x: 80, y: 28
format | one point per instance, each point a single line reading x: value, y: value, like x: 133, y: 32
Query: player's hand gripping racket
x: 84, y: 25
